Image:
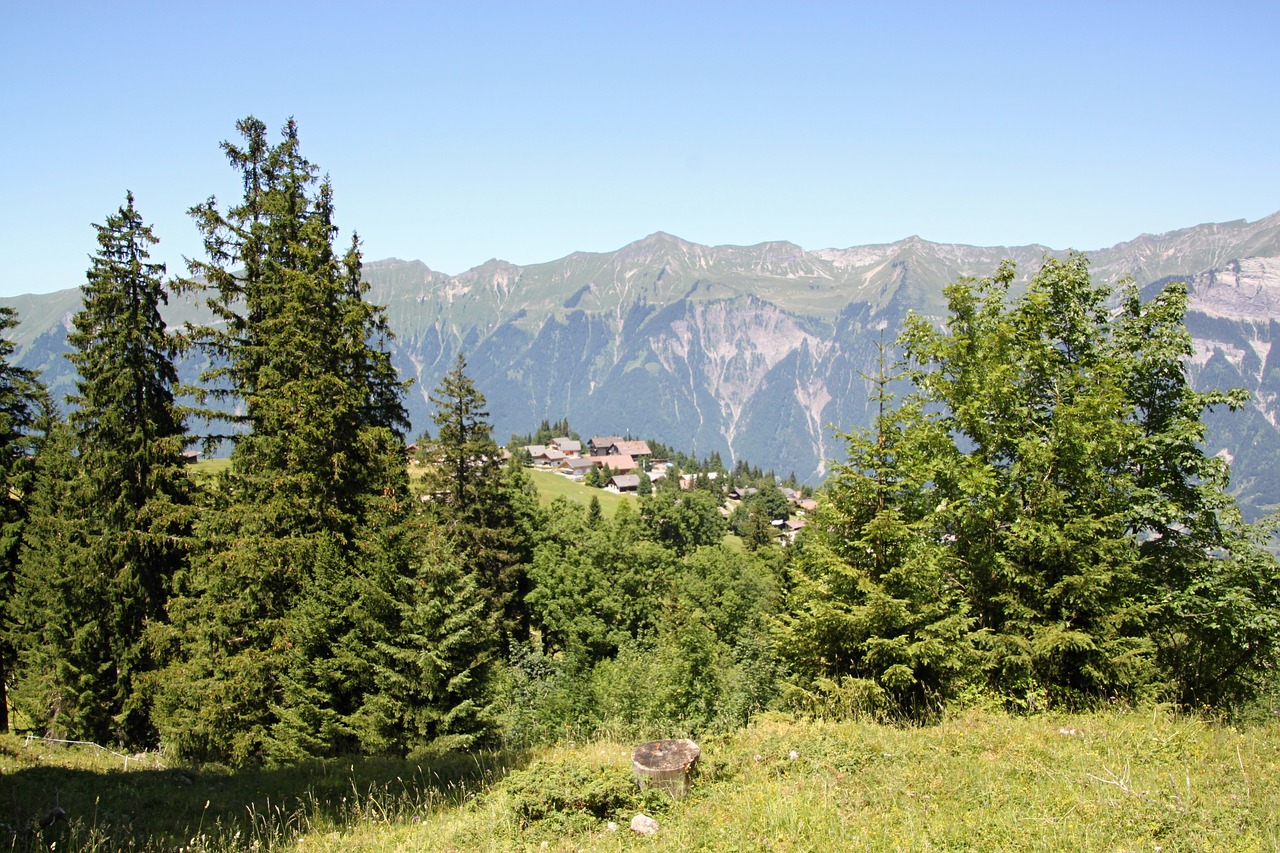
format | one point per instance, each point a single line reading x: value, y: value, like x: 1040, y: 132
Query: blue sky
x: 459, y: 132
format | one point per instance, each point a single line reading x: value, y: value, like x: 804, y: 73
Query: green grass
x: 207, y: 469
x: 551, y: 485
x: 980, y: 780
x: 143, y: 803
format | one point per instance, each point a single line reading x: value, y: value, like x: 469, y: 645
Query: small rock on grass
x: 642, y: 824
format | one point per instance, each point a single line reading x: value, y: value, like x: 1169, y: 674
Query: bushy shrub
x: 571, y: 796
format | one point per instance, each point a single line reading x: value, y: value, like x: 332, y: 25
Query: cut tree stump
x: 665, y: 764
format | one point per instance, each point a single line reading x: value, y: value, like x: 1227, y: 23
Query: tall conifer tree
x: 113, y: 502
x: 478, y: 500
x: 23, y: 402
x: 270, y: 623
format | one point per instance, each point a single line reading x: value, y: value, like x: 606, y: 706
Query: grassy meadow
x: 980, y: 780
x: 551, y: 485
x: 207, y: 469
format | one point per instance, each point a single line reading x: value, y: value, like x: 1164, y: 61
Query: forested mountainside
x: 757, y: 351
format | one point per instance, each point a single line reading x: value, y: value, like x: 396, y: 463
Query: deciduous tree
x: 1092, y: 530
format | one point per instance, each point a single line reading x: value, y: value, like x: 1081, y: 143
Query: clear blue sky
x: 457, y: 132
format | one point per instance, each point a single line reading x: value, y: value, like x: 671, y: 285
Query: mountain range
x: 760, y: 352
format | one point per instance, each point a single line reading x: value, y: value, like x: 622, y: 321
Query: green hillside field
x: 551, y: 485
x: 1119, y: 779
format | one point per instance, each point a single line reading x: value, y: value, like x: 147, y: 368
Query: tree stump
x: 665, y: 764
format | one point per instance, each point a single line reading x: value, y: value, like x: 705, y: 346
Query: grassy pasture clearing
x: 981, y: 780
x: 207, y: 469
x: 551, y: 485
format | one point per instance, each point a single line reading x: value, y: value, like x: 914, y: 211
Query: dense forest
x: 1031, y: 521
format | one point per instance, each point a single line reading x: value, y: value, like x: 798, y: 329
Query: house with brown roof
x: 544, y: 456
x: 599, y: 445
x: 620, y: 464
x: 626, y: 447
x: 576, y: 467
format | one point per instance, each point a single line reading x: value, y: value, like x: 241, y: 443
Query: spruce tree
x: 65, y: 674
x: 270, y: 628
x: 114, y: 502
x: 23, y: 405
x: 431, y: 663
x: 474, y: 497
x: 874, y: 619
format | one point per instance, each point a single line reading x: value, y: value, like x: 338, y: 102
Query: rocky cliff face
x: 757, y: 352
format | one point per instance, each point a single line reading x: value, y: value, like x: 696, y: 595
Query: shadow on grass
x: 211, y: 808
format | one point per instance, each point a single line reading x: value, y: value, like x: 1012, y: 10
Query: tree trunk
x: 666, y: 765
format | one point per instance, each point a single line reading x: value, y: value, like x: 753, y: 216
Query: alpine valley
x: 760, y: 352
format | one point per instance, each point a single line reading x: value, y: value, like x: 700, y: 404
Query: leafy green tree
x: 701, y: 659
x: 775, y: 504
x: 737, y: 595
x: 115, y: 504
x: 318, y: 458
x: 683, y: 521
x: 24, y: 404
x: 1212, y: 597
x: 595, y: 587
x: 1091, y: 532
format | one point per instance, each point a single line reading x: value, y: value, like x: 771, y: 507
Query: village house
x: 599, y: 445
x: 544, y: 456
x: 637, y: 450
x: 567, y: 446
x: 620, y: 464
x: 625, y: 482
x: 576, y: 468
x: 786, y: 530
